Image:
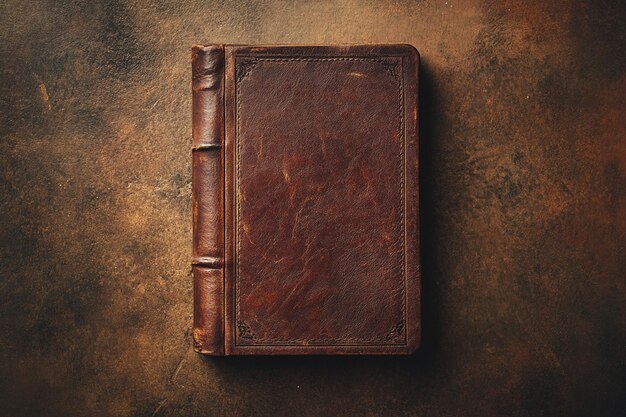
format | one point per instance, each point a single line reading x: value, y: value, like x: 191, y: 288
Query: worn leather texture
x: 207, y: 192
x: 523, y: 172
x: 321, y: 181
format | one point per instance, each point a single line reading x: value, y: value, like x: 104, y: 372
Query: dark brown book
x: 305, y: 199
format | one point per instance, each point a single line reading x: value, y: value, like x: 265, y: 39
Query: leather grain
x: 321, y: 203
x: 208, y: 198
x: 321, y: 183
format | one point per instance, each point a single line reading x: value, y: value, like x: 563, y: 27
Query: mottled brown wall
x: 524, y: 211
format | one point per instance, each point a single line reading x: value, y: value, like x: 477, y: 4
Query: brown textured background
x: 523, y: 197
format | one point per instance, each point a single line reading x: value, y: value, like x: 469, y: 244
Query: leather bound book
x: 305, y: 199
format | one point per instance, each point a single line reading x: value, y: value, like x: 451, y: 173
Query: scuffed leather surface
x: 321, y: 239
x: 207, y: 195
x: 523, y: 233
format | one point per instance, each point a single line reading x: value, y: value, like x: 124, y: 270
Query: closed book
x: 305, y: 199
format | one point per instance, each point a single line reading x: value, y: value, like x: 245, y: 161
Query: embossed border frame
x: 244, y: 66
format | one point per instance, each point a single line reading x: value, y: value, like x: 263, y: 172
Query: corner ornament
x: 396, y: 331
x: 244, y: 68
x: 244, y: 330
x: 391, y: 67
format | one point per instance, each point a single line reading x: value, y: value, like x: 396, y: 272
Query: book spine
x: 208, y: 198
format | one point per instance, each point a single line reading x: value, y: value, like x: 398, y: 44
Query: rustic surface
x: 524, y: 202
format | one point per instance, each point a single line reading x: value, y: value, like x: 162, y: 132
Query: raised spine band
x: 208, y: 198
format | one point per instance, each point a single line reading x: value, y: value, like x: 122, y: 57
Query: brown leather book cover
x: 305, y: 199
